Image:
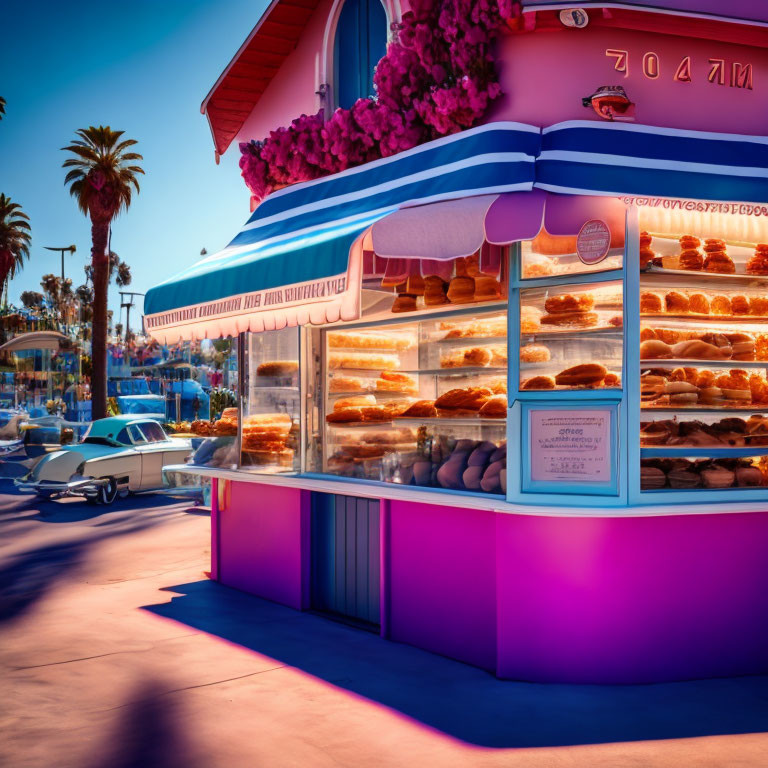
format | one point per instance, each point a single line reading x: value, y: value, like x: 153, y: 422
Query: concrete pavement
x: 116, y: 650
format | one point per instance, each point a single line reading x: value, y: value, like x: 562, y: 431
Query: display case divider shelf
x: 425, y: 371
x: 712, y: 319
x: 569, y: 394
x: 577, y: 278
x: 685, y: 363
x: 459, y: 422
x: 573, y: 331
x: 465, y: 341
x: 704, y: 453
x: 718, y: 276
x: 689, y: 409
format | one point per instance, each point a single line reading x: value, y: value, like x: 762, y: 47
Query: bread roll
x: 653, y: 349
x: 585, y: 375
x: 695, y: 349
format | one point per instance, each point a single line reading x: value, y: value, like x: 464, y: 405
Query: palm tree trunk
x: 100, y: 262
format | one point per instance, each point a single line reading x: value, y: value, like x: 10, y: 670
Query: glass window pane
x: 135, y: 435
x: 153, y: 432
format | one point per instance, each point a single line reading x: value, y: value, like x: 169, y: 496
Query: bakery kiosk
x: 504, y: 397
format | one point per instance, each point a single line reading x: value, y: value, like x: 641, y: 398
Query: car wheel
x: 107, y: 492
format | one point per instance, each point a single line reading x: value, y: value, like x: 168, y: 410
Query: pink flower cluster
x: 437, y: 78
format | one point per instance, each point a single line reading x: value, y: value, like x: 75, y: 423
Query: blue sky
x: 143, y: 67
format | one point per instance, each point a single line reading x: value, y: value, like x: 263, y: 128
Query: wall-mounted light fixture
x: 611, y: 103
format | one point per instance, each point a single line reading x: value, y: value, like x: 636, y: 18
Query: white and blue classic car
x: 117, y: 455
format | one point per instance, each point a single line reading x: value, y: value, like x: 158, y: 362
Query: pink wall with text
x: 545, y: 74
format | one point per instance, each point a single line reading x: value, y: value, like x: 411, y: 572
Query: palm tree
x: 14, y: 239
x: 102, y: 179
x: 2, y: 107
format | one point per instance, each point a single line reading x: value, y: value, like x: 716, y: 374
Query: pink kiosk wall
x: 530, y: 597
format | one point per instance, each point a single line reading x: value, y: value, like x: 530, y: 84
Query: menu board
x: 571, y: 446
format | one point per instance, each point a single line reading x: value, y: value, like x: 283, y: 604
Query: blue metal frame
x: 520, y: 402
x: 528, y: 485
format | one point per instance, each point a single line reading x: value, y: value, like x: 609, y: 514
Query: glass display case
x: 271, y: 402
x: 555, y: 256
x: 419, y: 403
x: 571, y: 336
x: 703, y: 359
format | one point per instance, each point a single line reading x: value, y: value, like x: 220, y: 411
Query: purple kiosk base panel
x: 528, y: 597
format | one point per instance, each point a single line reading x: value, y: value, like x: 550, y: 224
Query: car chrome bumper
x: 85, y: 486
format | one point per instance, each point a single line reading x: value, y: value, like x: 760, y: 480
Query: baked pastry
x: 647, y: 255
x: 720, y: 262
x: 691, y: 259
x: 404, y: 302
x: 676, y: 303
x: 353, y: 402
x: 434, y: 291
x: 487, y: 288
x: 758, y: 305
x: 653, y: 349
x: 647, y: 333
x: 461, y: 290
x: 366, y: 340
x: 498, y: 355
x: 696, y: 349
x: 740, y: 304
x: 652, y: 478
x: 346, y: 384
x: 462, y: 402
x: 394, y: 408
x: 278, y: 368
x: 375, y: 413
x: 651, y: 303
x: 420, y: 409
x: 612, y: 380
x: 536, y: 266
x: 748, y: 476
x: 761, y: 346
x: 344, y: 416
x: 683, y: 478
x: 584, y: 375
x: 717, y: 477
x: 530, y: 319
x: 534, y: 353
x: 494, y: 408
x: 711, y: 395
x: 758, y: 263
x: 689, y: 241
x: 414, y: 284
x: 498, y: 386
x: 699, y: 303
x: 538, y: 382
x: 681, y: 392
x: 713, y: 244
x: 645, y: 239
x: 363, y: 360
x: 721, y: 305
x: 758, y: 387
x: 390, y: 381
x: 569, y: 302
x: 743, y: 346
x: 571, y: 319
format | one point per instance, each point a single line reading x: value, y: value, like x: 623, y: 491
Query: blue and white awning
x: 290, y: 263
x: 298, y: 258
x: 585, y: 157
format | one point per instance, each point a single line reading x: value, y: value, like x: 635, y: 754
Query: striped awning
x: 587, y: 157
x: 291, y: 264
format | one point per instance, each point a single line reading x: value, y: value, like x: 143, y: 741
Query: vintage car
x: 117, y: 455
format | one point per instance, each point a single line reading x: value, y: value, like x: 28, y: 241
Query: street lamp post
x: 126, y: 305
x: 63, y: 250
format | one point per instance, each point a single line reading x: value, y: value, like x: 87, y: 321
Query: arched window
x: 361, y: 40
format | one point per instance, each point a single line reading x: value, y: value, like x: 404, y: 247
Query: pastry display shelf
x: 467, y: 369
x: 716, y: 277
x: 711, y: 319
x: 468, y: 341
x: 275, y: 388
x: 686, y: 363
x: 725, y: 409
x: 713, y: 452
x: 554, y: 331
x: 378, y: 393
x: 399, y: 421
x: 467, y: 421
x: 557, y: 367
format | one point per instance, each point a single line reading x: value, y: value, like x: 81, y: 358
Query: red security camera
x: 611, y: 103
